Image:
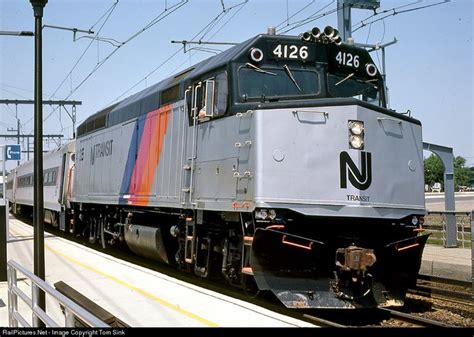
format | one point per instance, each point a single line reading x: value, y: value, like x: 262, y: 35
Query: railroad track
x: 405, y: 319
x: 392, y: 318
x: 322, y: 322
x: 450, y: 290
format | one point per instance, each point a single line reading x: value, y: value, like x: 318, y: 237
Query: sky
x: 429, y: 69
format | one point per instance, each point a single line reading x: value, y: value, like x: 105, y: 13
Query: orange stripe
x: 149, y: 155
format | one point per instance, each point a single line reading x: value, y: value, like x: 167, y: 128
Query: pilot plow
x: 306, y: 273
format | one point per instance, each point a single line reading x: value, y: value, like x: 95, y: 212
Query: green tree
x: 462, y: 173
x: 471, y: 176
x: 433, y: 170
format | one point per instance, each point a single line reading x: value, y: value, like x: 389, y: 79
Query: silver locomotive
x: 275, y: 163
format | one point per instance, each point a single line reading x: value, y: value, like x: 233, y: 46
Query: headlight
x: 356, y: 142
x: 261, y: 214
x: 414, y: 220
x: 265, y: 214
x: 356, y: 134
x: 356, y: 127
x: 272, y: 214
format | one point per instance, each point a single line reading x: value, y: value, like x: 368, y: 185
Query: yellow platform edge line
x: 127, y: 285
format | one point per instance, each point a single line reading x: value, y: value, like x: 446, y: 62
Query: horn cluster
x: 328, y: 35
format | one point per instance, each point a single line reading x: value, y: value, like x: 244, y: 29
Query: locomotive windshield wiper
x: 257, y: 69
x: 345, y: 78
x: 290, y: 75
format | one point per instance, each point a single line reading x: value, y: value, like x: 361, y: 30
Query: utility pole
x: 38, y: 202
x: 344, y: 21
x: 344, y: 24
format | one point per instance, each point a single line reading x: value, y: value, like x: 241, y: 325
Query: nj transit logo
x: 359, y: 179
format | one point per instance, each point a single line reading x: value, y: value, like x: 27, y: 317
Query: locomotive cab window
x: 209, y: 97
x: 277, y: 83
x: 348, y: 86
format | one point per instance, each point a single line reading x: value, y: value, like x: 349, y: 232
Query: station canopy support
x: 446, y: 156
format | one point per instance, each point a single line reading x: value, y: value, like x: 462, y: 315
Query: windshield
x: 273, y: 82
x: 348, y: 86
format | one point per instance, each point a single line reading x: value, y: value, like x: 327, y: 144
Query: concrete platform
x: 138, y: 296
x: 449, y: 263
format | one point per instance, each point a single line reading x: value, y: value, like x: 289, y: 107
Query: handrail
x: 71, y: 309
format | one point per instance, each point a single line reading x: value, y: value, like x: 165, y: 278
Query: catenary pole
x: 38, y: 202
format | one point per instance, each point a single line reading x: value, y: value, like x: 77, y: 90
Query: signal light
x: 256, y: 55
x: 371, y: 69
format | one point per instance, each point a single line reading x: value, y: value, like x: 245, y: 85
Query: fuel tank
x: 146, y: 241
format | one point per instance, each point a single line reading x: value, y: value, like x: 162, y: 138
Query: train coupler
x: 354, y: 261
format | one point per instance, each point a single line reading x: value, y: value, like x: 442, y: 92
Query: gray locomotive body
x: 274, y: 162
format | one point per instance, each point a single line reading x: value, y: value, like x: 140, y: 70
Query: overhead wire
x: 242, y: 5
x: 11, y: 111
x: 13, y: 114
x: 395, y: 12
x: 210, y: 37
x: 14, y: 93
x: 386, y: 11
x: 17, y: 88
x: 165, y: 13
x: 383, y: 34
x: 218, y: 18
x: 107, y: 13
x: 313, y: 17
x: 294, y: 14
x: 99, y: 19
x: 204, y: 29
x: 368, y: 34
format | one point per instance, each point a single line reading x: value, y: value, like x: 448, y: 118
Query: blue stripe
x: 132, y: 158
